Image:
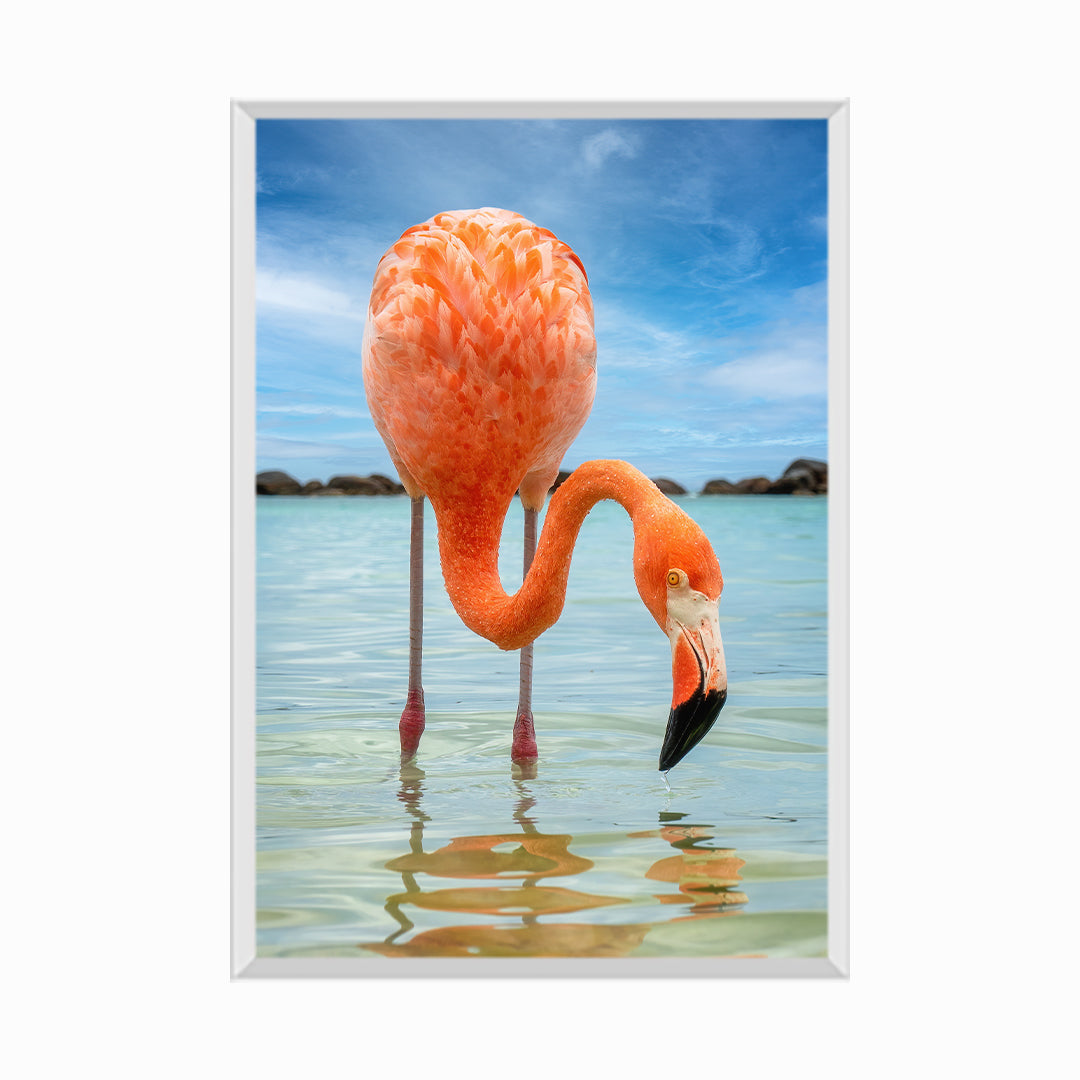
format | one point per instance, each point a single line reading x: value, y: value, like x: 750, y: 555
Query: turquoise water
x: 460, y: 854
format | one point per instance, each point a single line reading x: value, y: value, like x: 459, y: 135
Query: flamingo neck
x: 469, y: 538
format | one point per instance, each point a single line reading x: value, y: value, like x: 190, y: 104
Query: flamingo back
x: 479, y: 357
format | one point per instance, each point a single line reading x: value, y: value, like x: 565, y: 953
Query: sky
x: 704, y: 242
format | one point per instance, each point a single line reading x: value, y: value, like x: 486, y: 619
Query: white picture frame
x: 244, y: 962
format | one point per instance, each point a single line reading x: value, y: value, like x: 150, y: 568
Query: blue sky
x: 704, y: 242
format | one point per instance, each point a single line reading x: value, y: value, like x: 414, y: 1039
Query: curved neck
x: 469, y: 551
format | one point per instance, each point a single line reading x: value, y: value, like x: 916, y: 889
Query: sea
x: 593, y: 852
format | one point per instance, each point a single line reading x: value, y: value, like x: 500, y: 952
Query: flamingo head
x: 679, y: 579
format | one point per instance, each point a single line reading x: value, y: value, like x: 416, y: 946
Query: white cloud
x: 314, y: 278
x: 276, y: 448
x: 735, y: 254
x: 305, y: 295
x: 783, y: 359
x: 811, y: 298
x: 627, y: 341
x: 711, y: 437
x: 315, y: 410
x: 797, y: 370
x: 596, y: 149
x: 282, y: 448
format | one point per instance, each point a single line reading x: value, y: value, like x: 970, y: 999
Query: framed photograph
x: 471, y: 341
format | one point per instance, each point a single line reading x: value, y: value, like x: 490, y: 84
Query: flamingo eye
x: 673, y: 578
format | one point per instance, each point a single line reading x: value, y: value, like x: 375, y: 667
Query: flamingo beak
x: 699, y: 680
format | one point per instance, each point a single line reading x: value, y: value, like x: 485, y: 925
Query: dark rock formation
x: 784, y: 486
x: 276, y: 483
x: 364, y: 485
x: 388, y: 486
x: 281, y: 483
x: 354, y: 485
x: 804, y: 476
x: 807, y: 475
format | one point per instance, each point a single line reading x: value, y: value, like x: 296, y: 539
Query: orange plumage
x: 479, y: 356
x: 480, y: 369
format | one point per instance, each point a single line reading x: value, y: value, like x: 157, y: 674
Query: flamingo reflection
x: 707, y: 875
x: 524, y: 862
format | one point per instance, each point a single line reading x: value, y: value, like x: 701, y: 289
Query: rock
x: 819, y: 468
x: 389, y: 487
x: 328, y: 491
x: 669, y: 487
x: 275, y: 482
x: 806, y: 474
x: 376, y: 484
x: 356, y: 485
x: 754, y: 485
x: 311, y: 487
x: 719, y: 487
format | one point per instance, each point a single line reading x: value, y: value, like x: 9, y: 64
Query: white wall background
x: 116, y: 441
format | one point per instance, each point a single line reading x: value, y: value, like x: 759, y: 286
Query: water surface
x: 594, y: 854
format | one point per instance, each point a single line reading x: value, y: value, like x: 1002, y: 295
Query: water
x: 593, y: 853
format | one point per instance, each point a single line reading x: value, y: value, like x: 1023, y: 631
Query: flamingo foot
x: 524, y: 746
x: 412, y: 724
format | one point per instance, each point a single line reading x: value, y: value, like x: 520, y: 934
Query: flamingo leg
x: 524, y: 746
x: 412, y: 719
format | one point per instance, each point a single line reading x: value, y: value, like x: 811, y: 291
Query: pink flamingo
x: 480, y: 369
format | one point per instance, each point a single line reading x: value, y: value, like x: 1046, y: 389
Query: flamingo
x: 479, y: 367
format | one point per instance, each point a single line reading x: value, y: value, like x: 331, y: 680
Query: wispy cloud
x: 299, y: 294
x: 341, y: 449
x: 688, y: 436
x: 798, y: 372
x: 315, y: 410
x: 734, y: 253
x: 277, y: 448
x: 780, y: 359
x: 597, y: 149
x: 629, y: 340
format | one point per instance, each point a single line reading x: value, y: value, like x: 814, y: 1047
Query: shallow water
x: 595, y: 854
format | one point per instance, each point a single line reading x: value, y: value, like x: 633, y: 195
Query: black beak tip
x: 688, y: 724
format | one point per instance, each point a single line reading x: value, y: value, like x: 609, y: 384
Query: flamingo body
x: 479, y: 358
x: 479, y: 364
